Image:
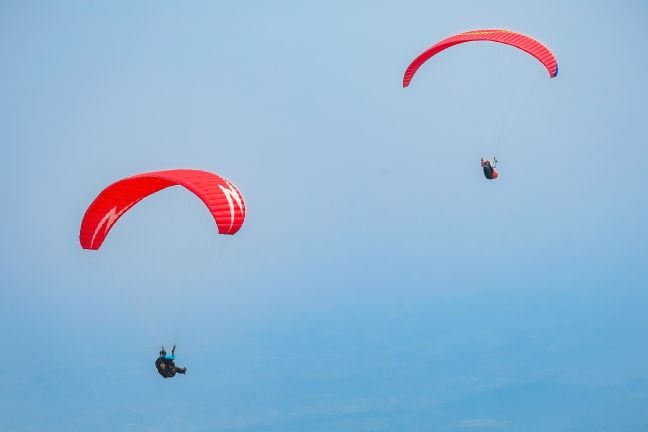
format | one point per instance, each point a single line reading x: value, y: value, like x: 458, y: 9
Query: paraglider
x: 223, y: 200
x: 489, y: 168
x: 507, y: 37
x: 220, y: 196
x: 517, y: 40
x: 165, y: 364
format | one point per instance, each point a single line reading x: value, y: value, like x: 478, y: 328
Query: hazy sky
x: 379, y: 283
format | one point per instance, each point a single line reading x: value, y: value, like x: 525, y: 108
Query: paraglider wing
x: 219, y: 195
x: 518, y: 40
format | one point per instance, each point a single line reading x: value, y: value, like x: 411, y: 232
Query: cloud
x: 482, y: 423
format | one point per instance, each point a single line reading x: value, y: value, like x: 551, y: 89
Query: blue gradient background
x: 379, y: 282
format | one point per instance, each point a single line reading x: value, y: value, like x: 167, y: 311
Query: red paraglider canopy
x: 219, y: 195
x: 518, y: 40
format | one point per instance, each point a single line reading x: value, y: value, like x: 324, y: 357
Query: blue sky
x: 379, y: 282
